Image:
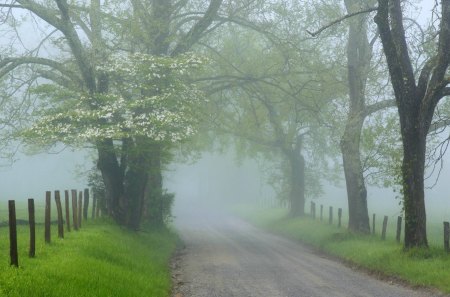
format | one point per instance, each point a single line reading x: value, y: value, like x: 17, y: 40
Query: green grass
x: 427, y: 268
x: 100, y: 260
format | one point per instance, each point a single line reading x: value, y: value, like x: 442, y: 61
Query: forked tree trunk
x: 359, y: 54
x: 416, y: 102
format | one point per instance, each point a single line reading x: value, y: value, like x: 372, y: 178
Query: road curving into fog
x: 226, y: 257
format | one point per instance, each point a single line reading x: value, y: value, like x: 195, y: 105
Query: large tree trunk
x: 135, y: 182
x: 413, y: 167
x: 154, y: 189
x: 297, y: 192
x: 356, y: 188
x: 113, y: 179
x: 358, y: 62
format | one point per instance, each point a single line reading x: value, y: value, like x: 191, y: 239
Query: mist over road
x: 226, y: 257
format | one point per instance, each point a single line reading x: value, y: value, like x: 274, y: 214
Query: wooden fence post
x: 66, y: 205
x: 47, y: 216
x: 86, y: 204
x: 32, y: 223
x: 383, y: 231
x: 80, y: 208
x: 321, y: 212
x: 313, y: 205
x: 13, y: 234
x: 446, y: 236
x: 399, y: 228
x: 74, y: 210
x: 94, y: 204
x: 339, y: 217
x: 330, y: 216
x: 60, y: 215
x: 373, y: 224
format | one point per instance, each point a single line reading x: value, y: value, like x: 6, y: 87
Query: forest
x: 310, y: 89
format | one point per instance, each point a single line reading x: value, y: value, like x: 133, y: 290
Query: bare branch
x: 199, y: 28
x: 370, y: 109
x: 337, y: 21
x: 9, y: 64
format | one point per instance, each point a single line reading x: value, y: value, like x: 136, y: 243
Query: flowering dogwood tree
x: 148, y: 106
x: 148, y: 97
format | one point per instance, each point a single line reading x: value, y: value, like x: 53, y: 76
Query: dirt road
x: 226, y: 257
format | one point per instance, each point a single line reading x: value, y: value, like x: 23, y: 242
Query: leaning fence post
x: 446, y: 236
x: 330, y: 216
x: 32, y: 223
x: 321, y: 212
x: 373, y: 224
x: 74, y: 210
x: 66, y: 205
x: 399, y: 228
x: 80, y: 208
x: 60, y: 215
x: 47, y: 215
x: 86, y: 204
x: 13, y: 234
x: 383, y: 232
x: 339, y: 217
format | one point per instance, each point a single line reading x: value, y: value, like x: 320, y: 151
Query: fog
x: 31, y: 175
x: 218, y: 181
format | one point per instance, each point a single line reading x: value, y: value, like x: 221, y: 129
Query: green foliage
x: 148, y: 96
x: 382, y: 150
x: 264, y: 107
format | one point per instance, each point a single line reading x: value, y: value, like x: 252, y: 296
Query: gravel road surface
x: 226, y: 257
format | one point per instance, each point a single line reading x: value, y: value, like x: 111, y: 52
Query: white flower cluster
x: 154, y: 101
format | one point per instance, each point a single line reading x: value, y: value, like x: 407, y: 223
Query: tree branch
x: 370, y: 109
x: 337, y: 21
x: 9, y: 64
x: 196, y: 31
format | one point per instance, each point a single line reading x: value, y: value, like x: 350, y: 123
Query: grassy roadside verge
x: 427, y: 268
x: 100, y: 260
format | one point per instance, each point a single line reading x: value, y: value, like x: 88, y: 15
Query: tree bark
x: 354, y: 178
x: 416, y: 103
x: 297, y: 184
x: 359, y: 54
x: 113, y: 179
x: 414, y: 140
x: 135, y: 182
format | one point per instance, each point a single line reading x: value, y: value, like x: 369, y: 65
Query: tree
x: 81, y: 36
x: 149, y: 103
x: 416, y: 98
x: 275, y: 109
x: 359, y: 57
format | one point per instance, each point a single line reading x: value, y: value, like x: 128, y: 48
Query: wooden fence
x: 79, y: 213
x: 383, y: 226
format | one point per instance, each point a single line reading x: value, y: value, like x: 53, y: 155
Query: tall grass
x: 100, y: 260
